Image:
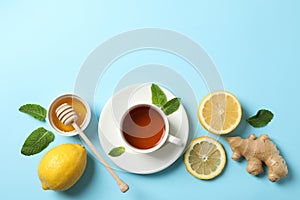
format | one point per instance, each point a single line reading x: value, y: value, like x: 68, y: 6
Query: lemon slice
x: 220, y: 112
x: 205, y: 158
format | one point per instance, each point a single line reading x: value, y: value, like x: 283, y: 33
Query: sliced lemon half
x: 205, y: 158
x: 220, y: 112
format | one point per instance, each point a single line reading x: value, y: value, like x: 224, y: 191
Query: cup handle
x: 174, y: 140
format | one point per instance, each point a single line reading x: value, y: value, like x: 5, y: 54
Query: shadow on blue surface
x: 84, y: 181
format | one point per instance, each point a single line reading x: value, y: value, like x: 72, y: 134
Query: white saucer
x: 110, y: 136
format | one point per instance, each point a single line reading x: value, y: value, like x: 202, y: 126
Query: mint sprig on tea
x: 171, y: 106
x: 159, y: 98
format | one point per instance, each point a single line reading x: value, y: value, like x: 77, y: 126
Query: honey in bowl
x: 79, y: 107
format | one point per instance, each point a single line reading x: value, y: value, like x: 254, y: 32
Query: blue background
x: 254, y: 44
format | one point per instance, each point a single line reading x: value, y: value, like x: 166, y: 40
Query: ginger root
x: 257, y: 151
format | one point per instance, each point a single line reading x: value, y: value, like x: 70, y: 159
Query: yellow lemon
x: 205, y: 158
x: 220, y: 112
x: 62, y: 166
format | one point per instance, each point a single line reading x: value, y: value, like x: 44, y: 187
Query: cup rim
x: 85, y: 122
x: 163, y: 138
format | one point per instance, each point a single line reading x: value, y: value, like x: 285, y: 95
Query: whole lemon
x: 62, y: 166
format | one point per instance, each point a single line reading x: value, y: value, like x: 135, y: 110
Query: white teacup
x: 145, y: 128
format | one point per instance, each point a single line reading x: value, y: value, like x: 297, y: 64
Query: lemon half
x: 220, y: 112
x: 205, y: 158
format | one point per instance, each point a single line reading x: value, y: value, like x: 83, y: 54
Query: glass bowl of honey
x: 79, y: 105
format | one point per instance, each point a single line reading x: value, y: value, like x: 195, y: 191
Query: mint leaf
x: 36, y: 111
x: 117, y: 151
x: 158, y: 96
x: 262, y: 118
x: 171, y: 106
x: 37, y: 141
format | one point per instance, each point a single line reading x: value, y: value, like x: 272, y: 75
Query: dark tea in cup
x: 143, y: 126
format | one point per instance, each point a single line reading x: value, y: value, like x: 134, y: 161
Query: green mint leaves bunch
x: 159, y: 98
x: 40, y: 138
